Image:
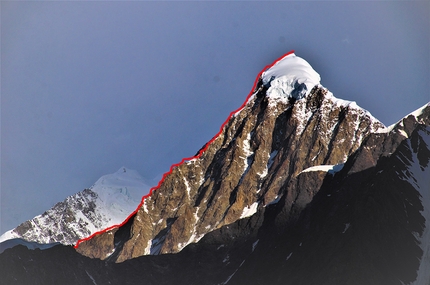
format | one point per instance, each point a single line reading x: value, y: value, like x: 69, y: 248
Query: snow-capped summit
x: 291, y: 76
x: 107, y: 203
x: 119, y: 193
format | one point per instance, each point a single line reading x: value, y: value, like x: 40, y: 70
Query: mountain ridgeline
x: 299, y: 187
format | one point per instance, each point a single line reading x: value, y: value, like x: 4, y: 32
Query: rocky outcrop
x: 255, y: 160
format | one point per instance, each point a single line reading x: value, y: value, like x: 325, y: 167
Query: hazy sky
x: 89, y: 87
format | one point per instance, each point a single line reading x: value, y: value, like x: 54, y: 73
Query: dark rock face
x: 361, y: 228
x: 224, y: 248
x: 252, y: 163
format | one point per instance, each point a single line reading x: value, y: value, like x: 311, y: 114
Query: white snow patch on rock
x: 249, y: 210
x: 332, y: 169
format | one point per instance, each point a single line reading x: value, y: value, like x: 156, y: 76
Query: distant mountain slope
x: 108, y: 202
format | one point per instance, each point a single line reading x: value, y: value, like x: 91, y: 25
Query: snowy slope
x: 108, y: 202
x: 119, y: 194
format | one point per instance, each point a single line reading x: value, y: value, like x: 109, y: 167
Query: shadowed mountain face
x: 308, y: 191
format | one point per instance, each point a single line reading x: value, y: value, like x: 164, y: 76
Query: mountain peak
x: 291, y: 77
x: 122, y: 181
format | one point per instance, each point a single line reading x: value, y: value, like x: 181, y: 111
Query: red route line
x: 187, y: 158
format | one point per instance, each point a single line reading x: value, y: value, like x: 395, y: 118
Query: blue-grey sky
x: 89, y: 87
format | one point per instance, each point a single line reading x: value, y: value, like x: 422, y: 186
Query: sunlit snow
x: 114, y: 197
x: 291, y: 76
x: 249, y: 210
x: 332, y: 169
x: 119, y: 194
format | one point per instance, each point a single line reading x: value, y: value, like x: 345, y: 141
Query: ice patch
x: 110, y: 253
x: 231, y: 276
x: 195, y: 237
x: 247, y: 151
x: 148, y: 247
x: 187, y: 185
x: 249, y: 210
x: 347, y: 225
x: 270, y: 160
x: 226, y: 259
x: 145, y: 208
x: 91, y: 277
x: 254, y: 245
x: 331, y: 169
